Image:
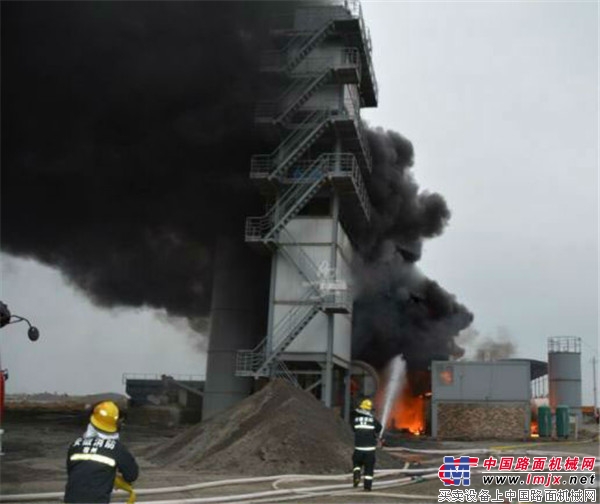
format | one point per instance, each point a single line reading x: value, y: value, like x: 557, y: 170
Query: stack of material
x: 279, y: 430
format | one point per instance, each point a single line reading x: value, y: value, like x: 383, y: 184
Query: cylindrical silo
x: 238, y: 311
x: 564, y: 372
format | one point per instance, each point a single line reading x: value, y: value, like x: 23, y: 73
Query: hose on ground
x: 32, y: 497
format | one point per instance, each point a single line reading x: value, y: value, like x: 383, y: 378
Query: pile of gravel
x: 278, y: 430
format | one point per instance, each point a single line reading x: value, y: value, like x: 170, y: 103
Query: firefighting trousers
x: 364, y: 459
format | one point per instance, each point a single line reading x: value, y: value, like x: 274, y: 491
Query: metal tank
x: 564, y: 371
x: 238, y: 310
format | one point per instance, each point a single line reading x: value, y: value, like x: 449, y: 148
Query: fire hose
x: 279, y: 494
x: 269, y: 495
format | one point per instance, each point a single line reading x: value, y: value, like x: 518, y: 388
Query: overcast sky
x: 500, y: 100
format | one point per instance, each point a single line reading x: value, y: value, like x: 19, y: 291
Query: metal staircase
x: 298, y: 47
x: 293, y: 180
x: 306, y: 184
x: 306, y: 180
x: 305, y: 94
x: 291, y: 326
x: 293, y: 146
x: 299, y: 52
x: 256, y: 362
x: 316, y: 73
x: 348, y: 20
x: 299, y: 259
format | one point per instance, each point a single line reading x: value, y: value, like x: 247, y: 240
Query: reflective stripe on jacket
x: 366, y: 430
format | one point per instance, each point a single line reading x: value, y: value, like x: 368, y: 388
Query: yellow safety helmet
x: 105, y: 416
x: 366, y: 404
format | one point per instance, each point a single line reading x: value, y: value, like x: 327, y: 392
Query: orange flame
x: 408, y: 413
x: 534, y: 428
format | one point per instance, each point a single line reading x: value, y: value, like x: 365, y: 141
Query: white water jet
x: 395, y: 379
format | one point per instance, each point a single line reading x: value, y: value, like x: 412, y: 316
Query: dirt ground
x: 35, y: 443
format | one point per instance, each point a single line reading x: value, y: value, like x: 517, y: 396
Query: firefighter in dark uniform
x: 98, y: 461
x: 366, y: 431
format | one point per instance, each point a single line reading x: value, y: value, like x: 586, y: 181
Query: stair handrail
x: 293, y: 204
x: 275, y: 58
x: 286, y: 373
x: 292, y: 52
x: 311, y: 172
x: 271, y: 107
x: 254, y: 360
x: 320, y: 120
x: 303, y: 261
x: 262, y: 164
x: 362, y: 138
x: 299, y: 315
x: 301, y: 84
x: 259, y: 227
x: 317, y: 81
x: 278, y: 59
x: 307, y: 299
x: 350, y: 58
x: 251, y: 360
x: 359, y: 185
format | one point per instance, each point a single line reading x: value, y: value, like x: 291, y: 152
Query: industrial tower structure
x: 318, y: 78
x: 564, y: 371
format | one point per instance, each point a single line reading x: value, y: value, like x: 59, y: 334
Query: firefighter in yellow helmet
x: 366, y: 431
x: 98, y: 461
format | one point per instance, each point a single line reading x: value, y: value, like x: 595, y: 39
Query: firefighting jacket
x: 92, y: 464
x: 366, y: 429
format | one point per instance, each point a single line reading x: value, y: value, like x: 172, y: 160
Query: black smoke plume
x: 127, y: 129
x: 399, y: 310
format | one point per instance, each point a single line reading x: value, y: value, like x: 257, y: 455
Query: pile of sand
x: 278, y: 430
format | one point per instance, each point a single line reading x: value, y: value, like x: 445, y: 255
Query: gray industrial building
x: 474, y: 400
x: 493, y: 399
x: 312, y: 183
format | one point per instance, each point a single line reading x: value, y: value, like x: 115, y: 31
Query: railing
x: 312, y: 73
x: 310, y: 175
x: 158, y: 377
x: 350, y: 58
x: 337, y: 298
x: 278, y: 60
x: 354, y: 8
x: 292, y: 324
x: 259, y: 228
x: 270, y: 108
x: 275, y: 59
x: 262, y: 164
x: 294, y: 51
x: 296, y: 54
x: 364, y: 142
x: 360, y: 188
x: 303, y: 262
x: 352, y: 110
x: 304, y: 95
x: 282, y: 370
x: 250, y: 361
x: 328, y: 291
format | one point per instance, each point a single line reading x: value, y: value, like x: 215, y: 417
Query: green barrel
x: 562, y: 421
x: 544, y: 421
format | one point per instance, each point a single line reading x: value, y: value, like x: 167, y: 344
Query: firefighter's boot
x: 368, y: 483
x: 356, y: 477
